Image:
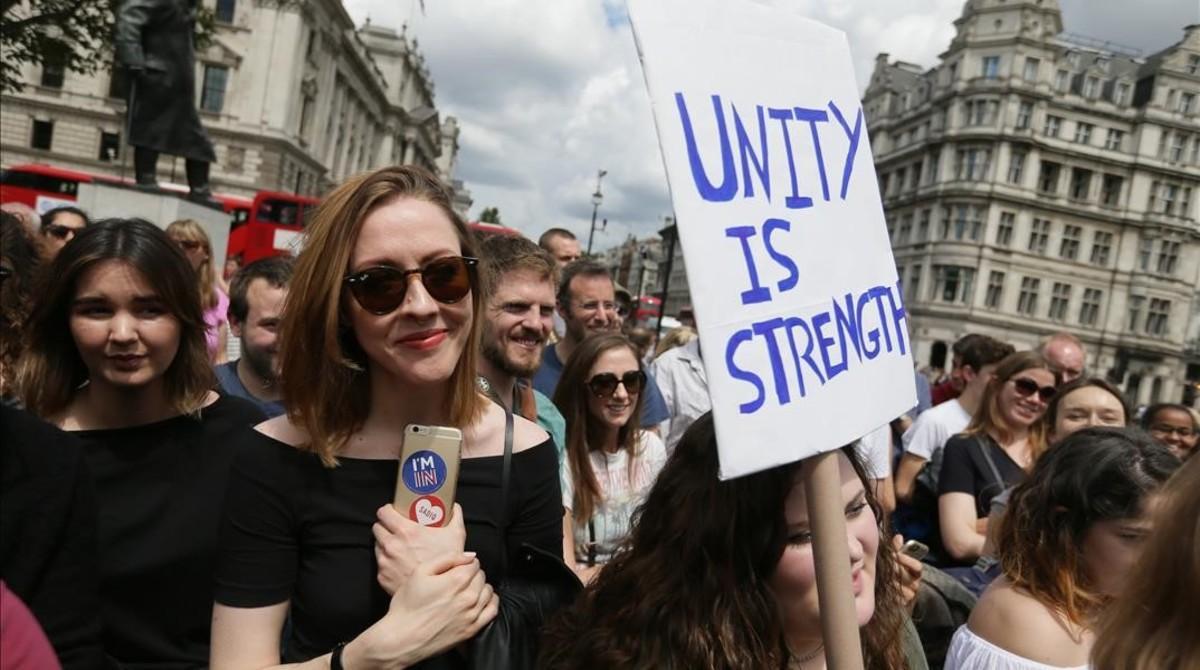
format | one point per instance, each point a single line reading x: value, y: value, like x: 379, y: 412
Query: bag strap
x: 987, y: 456
x: 505, y: 477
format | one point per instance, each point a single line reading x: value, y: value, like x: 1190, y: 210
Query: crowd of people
x: 163, y: 507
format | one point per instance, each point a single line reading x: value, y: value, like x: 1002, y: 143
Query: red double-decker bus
x: 273, y: 226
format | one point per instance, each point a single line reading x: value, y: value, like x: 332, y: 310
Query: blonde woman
x: 214, y: 295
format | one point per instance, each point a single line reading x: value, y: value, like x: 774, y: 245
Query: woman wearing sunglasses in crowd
x: 719, y: 575
x: 995, y: 452
x: 1173, y: 425
x: 610, y: 462
x: 214, y: 295
x: 380, y: 330
x: 116, y: 356
x: 1068, y: 543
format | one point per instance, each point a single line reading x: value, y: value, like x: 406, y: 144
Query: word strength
x: 772, y: 130
x: 854, y: 330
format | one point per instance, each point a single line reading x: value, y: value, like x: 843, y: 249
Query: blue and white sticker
x: 424, y: 472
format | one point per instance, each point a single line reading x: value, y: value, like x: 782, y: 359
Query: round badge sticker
x: 424, y: 472
x: 428, y: 511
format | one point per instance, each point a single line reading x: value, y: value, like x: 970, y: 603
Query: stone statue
x: 154, y: 42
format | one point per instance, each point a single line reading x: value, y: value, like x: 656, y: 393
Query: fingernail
x: 469, y: 554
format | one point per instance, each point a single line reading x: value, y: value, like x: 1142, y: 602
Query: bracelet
x: 335, y: 658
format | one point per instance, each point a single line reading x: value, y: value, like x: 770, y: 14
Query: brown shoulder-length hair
x: 323, y: 370
x: 989, y: 418
x: 1152, y: 626
x: 52, y: 370
x: 1092, y: 475
x: 571, y: 398
x: 206, y: 275
x: 714, y: 608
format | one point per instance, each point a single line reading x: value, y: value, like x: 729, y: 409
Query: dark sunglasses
x: 1027, y: 387
x: 61, y: 232
x: 381, y: 289
x: 605, y: 383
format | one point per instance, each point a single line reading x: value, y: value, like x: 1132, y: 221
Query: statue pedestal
x: 160, y: 207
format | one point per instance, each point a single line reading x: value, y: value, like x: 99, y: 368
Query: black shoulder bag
x: 531, y: 590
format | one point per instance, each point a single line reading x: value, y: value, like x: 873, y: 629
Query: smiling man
x: 256, y: 298
x: 519, y: 279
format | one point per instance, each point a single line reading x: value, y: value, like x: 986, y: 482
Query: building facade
x: 293, y: 96
x: 1036, y: 182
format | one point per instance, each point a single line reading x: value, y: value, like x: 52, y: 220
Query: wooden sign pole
x: 827, y: 519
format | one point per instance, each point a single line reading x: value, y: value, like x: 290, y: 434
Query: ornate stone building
x: 294, y: 97
x: 1034, y: 182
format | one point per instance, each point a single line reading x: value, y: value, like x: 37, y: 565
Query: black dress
x: 297, y: 531
x: 160, y: 488
x: 965, y: 469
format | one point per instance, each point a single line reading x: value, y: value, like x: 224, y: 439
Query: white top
x: 928, y: 434
x: 875, y: 448
x: 620, y: 494
x: 968, y: 651
x: 680, y: 376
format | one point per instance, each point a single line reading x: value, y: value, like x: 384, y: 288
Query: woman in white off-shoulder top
x: 1072, y: 531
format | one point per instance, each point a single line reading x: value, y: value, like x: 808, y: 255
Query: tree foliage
x: 72, y: 34
x: 490, y: 215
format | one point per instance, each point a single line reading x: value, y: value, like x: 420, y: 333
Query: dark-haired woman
x: 995, y: 452
x: 18, y: 263
x: 117, y: 357
x: 719, y: 575
x: 1172, y: 425
x: 1072, y: 532
x: 610, y: 462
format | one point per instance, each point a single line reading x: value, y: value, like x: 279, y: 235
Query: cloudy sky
x: 549, y: 92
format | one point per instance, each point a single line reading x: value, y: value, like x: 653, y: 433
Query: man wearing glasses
x: 59, y: 226
x: 587, y: 303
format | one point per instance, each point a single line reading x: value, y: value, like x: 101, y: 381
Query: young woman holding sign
x: 720, y: 574
x: 610, y: 462
x: 380, y: 331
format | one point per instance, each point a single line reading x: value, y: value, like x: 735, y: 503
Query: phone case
x: 428, y: 477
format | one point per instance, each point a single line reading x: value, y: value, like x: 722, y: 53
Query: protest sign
x: 791, y: 273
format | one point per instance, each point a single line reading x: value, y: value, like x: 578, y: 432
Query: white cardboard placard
x: 791, y: 272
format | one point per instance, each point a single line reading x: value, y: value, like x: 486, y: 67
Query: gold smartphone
x: 428, y: 477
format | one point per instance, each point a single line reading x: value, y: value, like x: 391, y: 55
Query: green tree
x: 490, y: 215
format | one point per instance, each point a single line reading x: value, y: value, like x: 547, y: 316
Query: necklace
x: 798, y: 662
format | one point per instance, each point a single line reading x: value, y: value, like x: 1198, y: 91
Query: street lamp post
x: 597, y: 197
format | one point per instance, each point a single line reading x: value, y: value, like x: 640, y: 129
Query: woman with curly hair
x: 1152, y: 624
x: 18, y: 265
x: 719, y: 574
x: 1070, y: 537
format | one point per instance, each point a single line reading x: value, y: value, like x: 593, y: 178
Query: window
x: 914, y: 281
x: 1004, y: 232
x: 952, y: 283
x: 972, y: 164
x: 212, y: 96
x: 1162, y: 198
x: 1083, y: 133
x: 967, y: 220
x: 1069, y: 247
x: 1101, y: 247
x: 118, y: 84
x: 1145, y: 248
x: 1135, y: 311
x: 1091, y: 86
x: 899, y: 179
x: 1062, y: 79
x: 1081, y: 183
x: 1178, y: 142
x: 43, y: 134
x: 54, y: 67
x: 1120, y: 93
x: 905, y: 229
x: 1039, y: 235
x: 1016, y: 166
x: 1053, y: 123
x: 914, y: 177
x: 1089, y: 307
x: 1196, y: 150
x: 1060, y: 297
x: 1168, y: 256
x: 1193, y: 66
x: 931, y: 166
x: 923, y: 226
x: 225, y: 10
x: 980, y: 112
x: 1113, y: 141
x: 1048, y: 178
x: 1024, y: 115
x: 991, y: 67
x: 1187, y: 103
x: 1027, y: 301
x: 995, y: 290
x: 1031, y: 69
x: 1156, y: 317
x: 110, y: 146
x: 1110, y: 190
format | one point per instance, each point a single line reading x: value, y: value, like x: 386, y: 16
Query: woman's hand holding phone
x: 402, y: 544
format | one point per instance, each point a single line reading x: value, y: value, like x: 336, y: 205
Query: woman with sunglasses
x: 995, y: 452
x: 116, y: 357
x: 610, y: 462
x: 380, y: 331
x: 214, y: 295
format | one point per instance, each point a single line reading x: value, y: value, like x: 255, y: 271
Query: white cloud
x: 549, y: 92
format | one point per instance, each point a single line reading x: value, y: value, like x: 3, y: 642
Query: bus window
x: 278, y: 211
x: 39, y: 182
